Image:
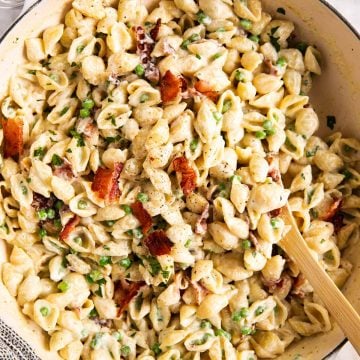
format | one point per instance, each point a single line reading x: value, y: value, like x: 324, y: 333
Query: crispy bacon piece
x: 331, y: 210
x: 204, y: 87
x: 13, y: 137
x: 158, y: 243
x: 170, y: 87
x: 69, y: 228
x: 270, y: 68
x: 41, y: 202
x: 154, y: 32
x: 301, y: 286
x: 275, y: 212
x: 188, y: 175
x: 145, y: 45
x: 282, y: 287
x: 64, y: 170
x: 201, y: 224
x: 124, y: 292
x: 200, y: 292
x: 338, y: 221
x: 142, y: 215
x: 105, y: 183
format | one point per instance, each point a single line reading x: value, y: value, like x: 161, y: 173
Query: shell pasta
x: 146, y: 154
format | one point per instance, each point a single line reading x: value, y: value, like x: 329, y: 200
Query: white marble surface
x: 350, y: 9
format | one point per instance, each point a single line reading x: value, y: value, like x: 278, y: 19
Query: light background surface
x: 350, y: 9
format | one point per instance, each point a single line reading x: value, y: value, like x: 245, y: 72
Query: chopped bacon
x: 125, y: 292
x: 158, y: 243
x: 188, y: 175
x: 254, y: 240
x: 274, y: 174
x: 105, y: 183
x: 282, y: 287
x: 145, y: 45
x: 301, y: 286
x: 270, y: 68
x: 89, y: 129
x: 338, y: 221
x: 201, y: 224
x: 331, y: 210
x: 204, y: 87
x: 41, y: 202
x: 275, y: 212
x: 13, y: 137
x: 64, y: 170
x: 200, y: 292
x: 69, y: 228
x: 154, y: 32
x: 142, y: 215
x: 170, y: 87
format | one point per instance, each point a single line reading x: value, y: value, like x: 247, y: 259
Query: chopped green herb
x: 94, y: 276
x: 80, y: 49
x: 274, y: 40
x: 39, y: 152
x: 104, y: 260
x: 281, y: 10
x: 57, y: 224
x: 310, y: 194
x: 56, y: 160
x: 137, y: 233
x: 259, y: 310
x: 194, y: 144
x: 63, y: 286
x: 254, y: 38
x: 109, y: 223
x: 329, y: 255
x: 202, y: 18
x: 142, y: 197
x: 24, y: 190
x: 331, y: 121
x: 198, y: 56
x: 139, y: 70
x: 216, y: 56
x: 226, y: 106
x: 221, y: 332
x: 322, y: 241
x: 203, y: 340
x: 127, y: 209
x: 236, y: 179
x: 32, y: 72
x: 188, y: 243
x: 125, y: 263
x: 96, y: 340
x: 78, y: 137
x: 289, y: 145
x: 64, y: 110
x: 302, y: 47
x: 312, y: 152
x: 117, y: 335
x: 348, y: 175
x: 155, y: 265
x: 125, y: 350
x: 205, y: 324
x: 5, y: 228
x: 156, y: 349
x: 314, y: 213
x: 44, y: 311
x: 184, y: 45
x: 246, y: 24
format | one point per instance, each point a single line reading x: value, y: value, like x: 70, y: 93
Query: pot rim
x: 324, y: 2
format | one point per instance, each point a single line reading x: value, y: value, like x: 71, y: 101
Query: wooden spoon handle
x: 340, y: 308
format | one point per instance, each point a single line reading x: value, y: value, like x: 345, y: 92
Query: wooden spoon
x: 345, y: 315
